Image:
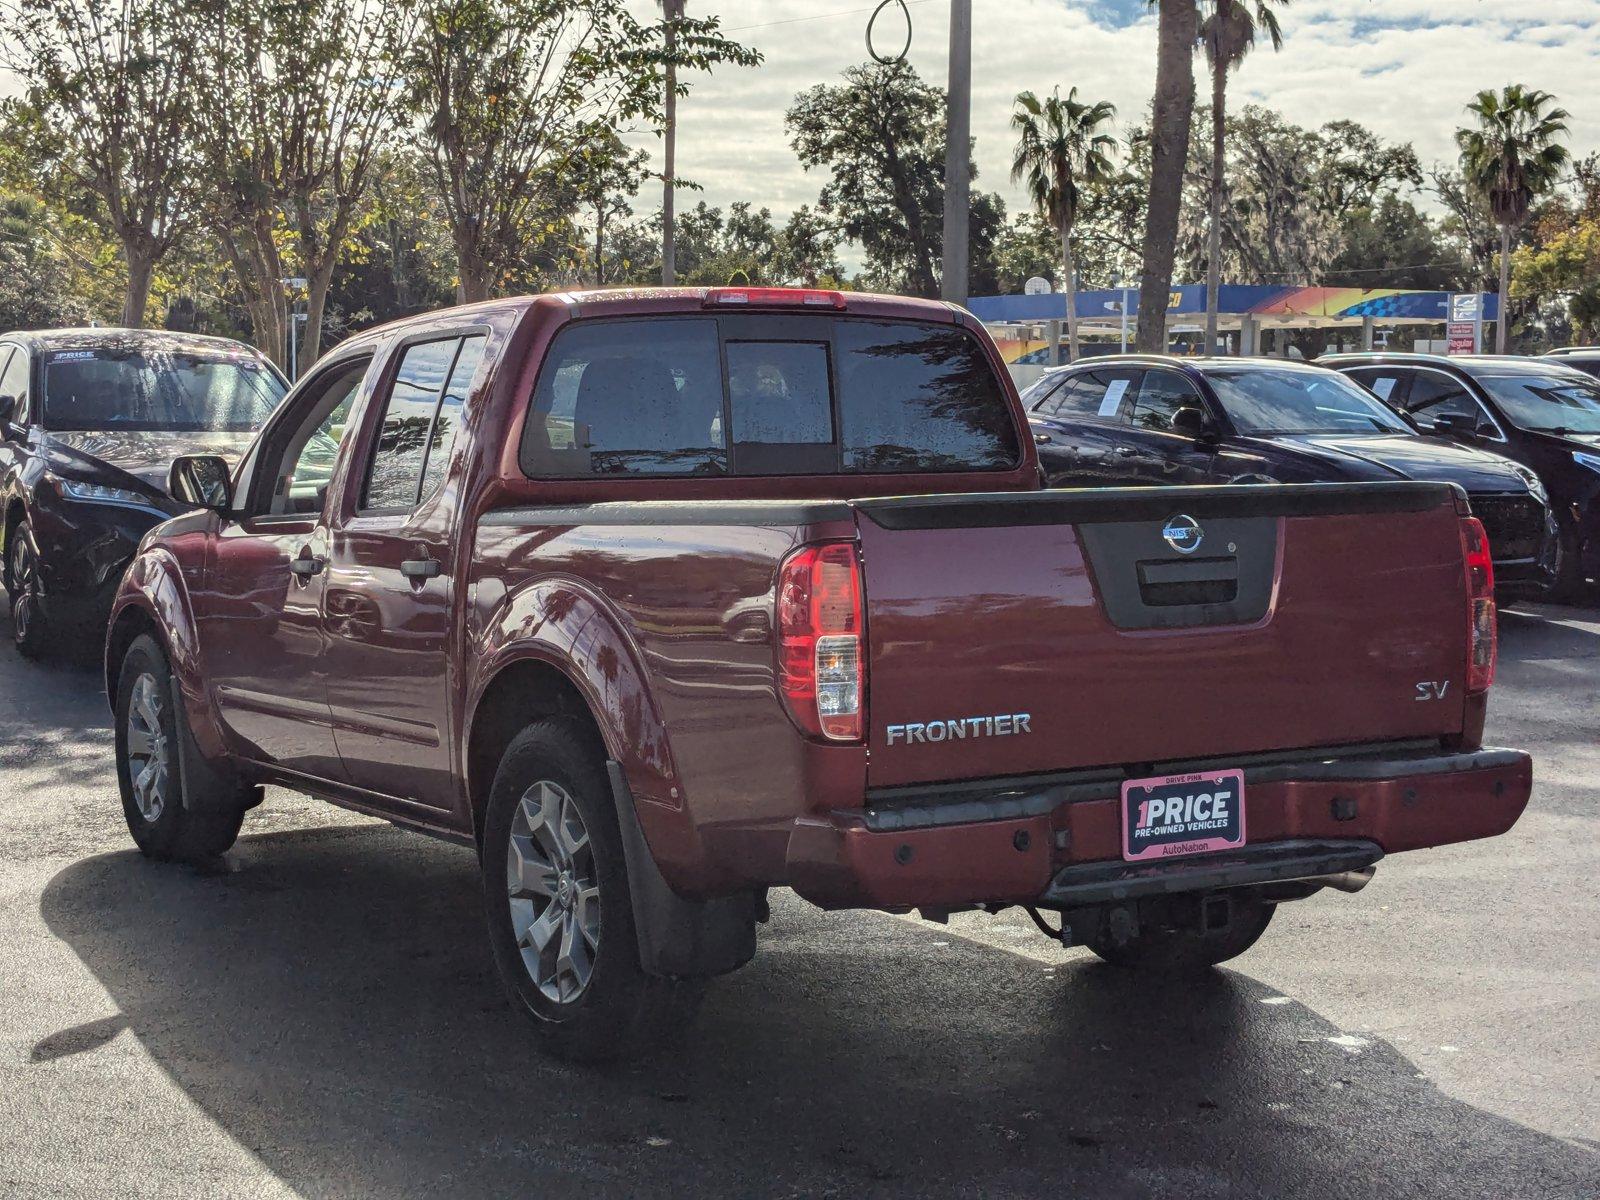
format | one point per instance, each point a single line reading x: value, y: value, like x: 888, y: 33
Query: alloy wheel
x: 149, y: 752
x: 24, y: 585
x: 553, y: 892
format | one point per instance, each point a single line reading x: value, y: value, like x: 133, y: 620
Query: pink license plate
x: 1175, y: 815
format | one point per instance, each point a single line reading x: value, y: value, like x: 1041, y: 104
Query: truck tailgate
x: 1019, y: 634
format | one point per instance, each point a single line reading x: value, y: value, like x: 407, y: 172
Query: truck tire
x: 151, y: 735
x: 1161, y: 948
x: 1570, y: 586
x: 30, y: 631
x: 560, y: 915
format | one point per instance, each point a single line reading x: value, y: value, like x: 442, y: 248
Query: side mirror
x: 1460, y: 424
x: 202, y: 480
x: 8, y: 410
x: 1192, y: 422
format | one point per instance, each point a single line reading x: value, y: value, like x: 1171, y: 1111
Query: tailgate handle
x: 1164, y: 583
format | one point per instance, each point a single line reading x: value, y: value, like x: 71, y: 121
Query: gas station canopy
x: 1239, y: 306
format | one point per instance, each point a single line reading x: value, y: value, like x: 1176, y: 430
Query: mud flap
x: 202, y: 784
x: 678, y: 937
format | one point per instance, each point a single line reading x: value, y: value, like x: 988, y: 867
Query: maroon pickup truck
x: 664, y: 598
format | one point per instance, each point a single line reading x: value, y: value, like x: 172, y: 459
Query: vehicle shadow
x: 329, y: 1001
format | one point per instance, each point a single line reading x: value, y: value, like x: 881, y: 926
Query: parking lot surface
x: 321, y: 1017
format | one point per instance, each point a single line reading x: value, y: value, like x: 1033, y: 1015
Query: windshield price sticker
x: 72, y: 355
x: 1174, y: 815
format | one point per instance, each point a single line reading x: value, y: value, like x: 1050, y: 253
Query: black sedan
x: 1540, y: 412
x: 90, y: 421
x: 1135, y: 420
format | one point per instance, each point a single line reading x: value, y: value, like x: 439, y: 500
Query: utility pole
x: 669, y: 177
x: 957, y: 153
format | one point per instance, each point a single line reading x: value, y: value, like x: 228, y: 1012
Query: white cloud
x: 1406, y: 68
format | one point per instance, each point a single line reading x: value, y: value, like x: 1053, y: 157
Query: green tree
x: 1062, y: 146
x: 306, y: 98
x: 112, y: 87
x: 1172, y: 115
x: 608, y: 175
x: 1512, y: 157
x: 509, y: 92
x: 1228, y: 34
x: 36, y: 275
x: 880, y: 136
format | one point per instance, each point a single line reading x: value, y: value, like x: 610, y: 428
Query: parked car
x: 1580, y: 358
x: 90, y: 421
x: 662, y: 598
x: 1144, y: 421
x: 1538, y: 412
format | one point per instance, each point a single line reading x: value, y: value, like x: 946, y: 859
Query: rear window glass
x: 105, y: 389
x: 684, y: 396
x: 919, y: 398
x: 629, y: 398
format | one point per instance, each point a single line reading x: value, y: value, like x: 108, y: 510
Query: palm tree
x: 1511, y: 158
x: 1172, y: 114
x: 1228, y: 33
x: 673, y: 10
x: 1060, y: 147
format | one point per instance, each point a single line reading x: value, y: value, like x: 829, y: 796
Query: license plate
x: 1176, y: 815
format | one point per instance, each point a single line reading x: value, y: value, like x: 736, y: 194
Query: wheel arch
x: 523, y: 690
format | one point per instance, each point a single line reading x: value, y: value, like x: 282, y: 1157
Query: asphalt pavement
x: 320, y: 1017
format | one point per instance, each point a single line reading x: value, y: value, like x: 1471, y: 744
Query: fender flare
x: 153, y: 585
x: 566, y: 624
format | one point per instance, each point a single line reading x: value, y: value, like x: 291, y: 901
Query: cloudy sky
x: 1406, y: 68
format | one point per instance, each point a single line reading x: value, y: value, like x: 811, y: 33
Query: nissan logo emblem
x: 1183, y: 533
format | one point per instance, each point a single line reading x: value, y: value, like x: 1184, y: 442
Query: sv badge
x: 1431, y: 689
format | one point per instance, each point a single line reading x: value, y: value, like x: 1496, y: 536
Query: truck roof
x: 636, y: 301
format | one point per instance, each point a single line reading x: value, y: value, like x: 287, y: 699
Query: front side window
x: 311, y: 448
x: 107, y: 389
x: 419, y: 427
x: 1433, y: 396
x: 1262, y: 401
x: 1547, y: 402
x: 1161, y: 395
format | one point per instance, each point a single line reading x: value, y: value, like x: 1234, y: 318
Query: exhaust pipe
x: 1346, y: 881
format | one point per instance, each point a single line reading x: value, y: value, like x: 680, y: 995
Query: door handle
x: 307, y: 566
x: 1041, y: 439
x: 1127, y: 452
x: 421, y: 568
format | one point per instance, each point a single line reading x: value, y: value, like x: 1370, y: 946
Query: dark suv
x: 90, y: 421
x: 1538, y: 411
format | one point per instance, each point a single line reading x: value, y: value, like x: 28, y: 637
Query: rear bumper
x: 1032, y: 841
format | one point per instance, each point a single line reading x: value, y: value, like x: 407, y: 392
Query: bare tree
x: 113, y: 81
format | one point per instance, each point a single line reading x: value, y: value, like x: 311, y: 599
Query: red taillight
x: 1482, y: 635
x: 766, y: 297
x: 821, y: 667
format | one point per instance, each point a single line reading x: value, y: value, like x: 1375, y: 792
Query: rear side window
x: 1093, y: 394
x: 919, y: 398
x: 417, y: 432
x: 764, y: 396
x: 1385, y: 385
